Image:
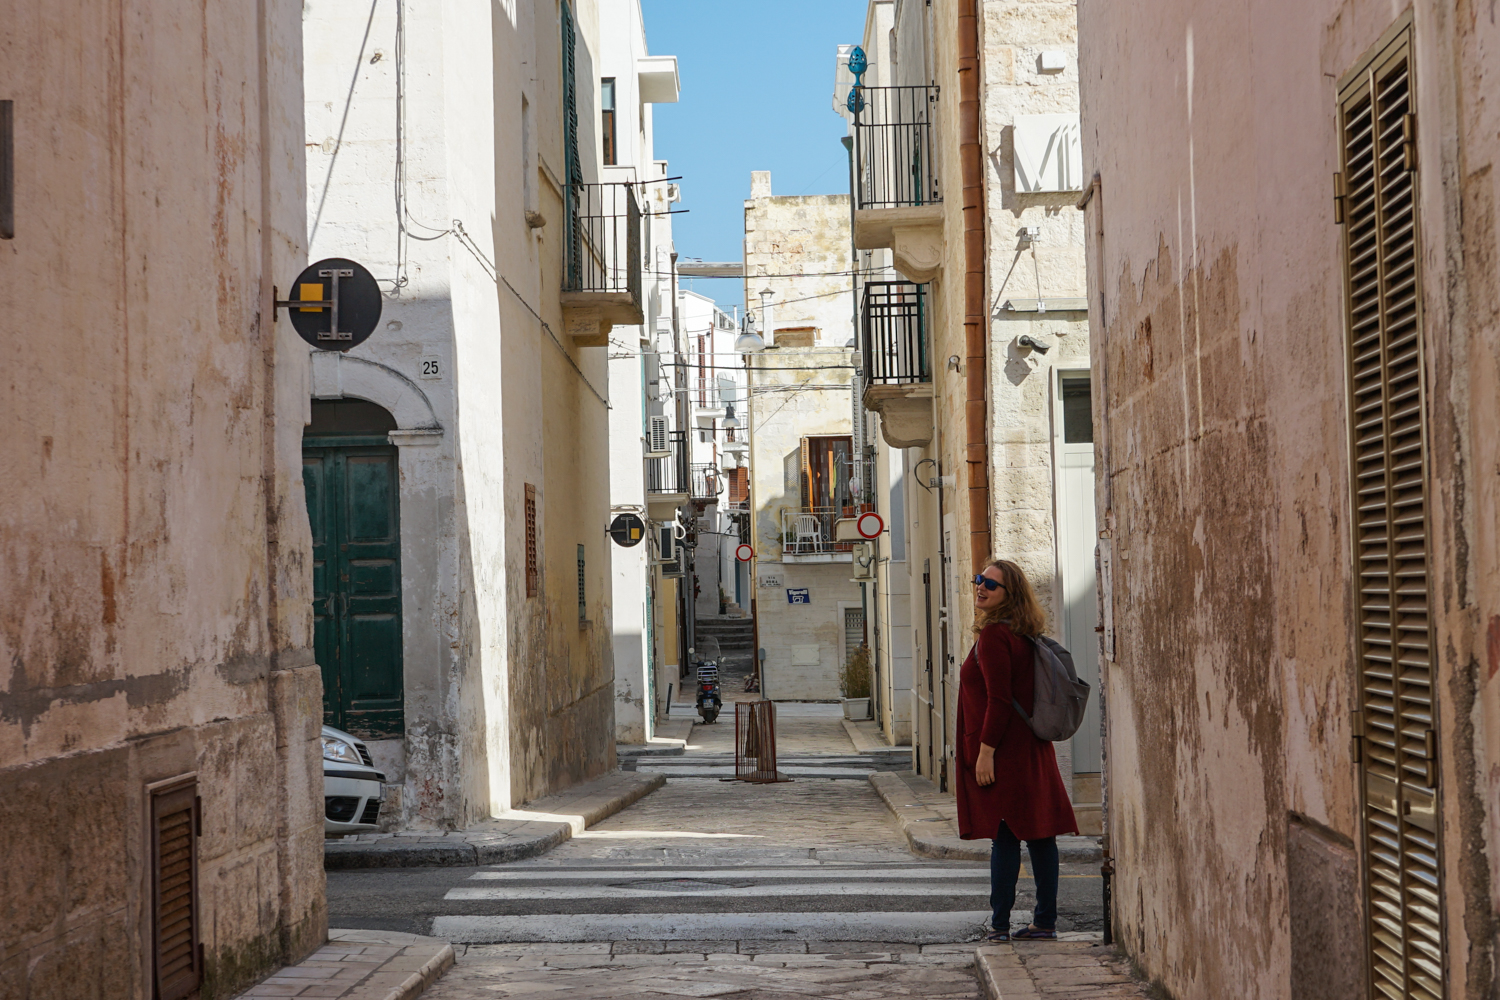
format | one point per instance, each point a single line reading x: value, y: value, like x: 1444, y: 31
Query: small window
x: 607, y: 104
x: 583, y: 597
x: 532, y: 576
x: 1078, y: 410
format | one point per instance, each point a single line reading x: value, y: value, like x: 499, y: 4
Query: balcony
x: 602, y: 281
x: 894, y: 350
x: 807, y: 533
x: 668, y: 480
x: 707, y: 483
x: 897, y: 198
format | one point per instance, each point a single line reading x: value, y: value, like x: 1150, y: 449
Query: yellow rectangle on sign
x: 310, y: 293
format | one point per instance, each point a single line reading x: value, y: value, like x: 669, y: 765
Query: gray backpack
x: 1057, y: 709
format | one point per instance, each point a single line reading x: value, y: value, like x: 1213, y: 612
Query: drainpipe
x: 976, y: 320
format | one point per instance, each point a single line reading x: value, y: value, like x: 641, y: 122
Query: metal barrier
x: 755, y: 742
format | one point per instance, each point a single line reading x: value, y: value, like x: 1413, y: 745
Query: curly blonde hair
x: 1020, y: 608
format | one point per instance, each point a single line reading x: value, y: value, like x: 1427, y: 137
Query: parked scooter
x: 708, y: 700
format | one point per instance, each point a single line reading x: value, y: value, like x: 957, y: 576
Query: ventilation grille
x: 371, y: 814
x: 1395, y: 725
x: 340, y: 808
x: 533, y: 575
x: 174, y: 853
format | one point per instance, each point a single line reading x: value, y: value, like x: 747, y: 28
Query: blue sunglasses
x: 983, y: 581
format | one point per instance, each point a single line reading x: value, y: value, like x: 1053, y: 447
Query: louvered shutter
x: 177, y: 960
x: 1395, y: 723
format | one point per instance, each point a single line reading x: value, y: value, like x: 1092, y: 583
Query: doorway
x: 350, y: 475
x: 1076, y: 540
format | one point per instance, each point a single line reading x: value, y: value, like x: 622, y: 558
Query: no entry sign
x: 869, y: 525
x: 744, y: 553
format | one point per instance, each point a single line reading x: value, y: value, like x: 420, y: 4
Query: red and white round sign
x: 869, y: 525
x: 744, y: 553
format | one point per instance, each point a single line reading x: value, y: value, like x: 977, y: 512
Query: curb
x: 917, y: 822
x: 520, y: 833
x: 929, y: 834
x: 416, y: 984
x: 1001, y: 974
x: 348, y: 967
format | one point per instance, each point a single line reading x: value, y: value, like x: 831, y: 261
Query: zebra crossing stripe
x: 816, y: 872
x: 658, y: 891
x: 940, y: 927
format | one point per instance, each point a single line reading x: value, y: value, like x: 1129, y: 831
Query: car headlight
x: 338, y: 750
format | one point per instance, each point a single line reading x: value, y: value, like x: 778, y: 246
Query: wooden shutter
x: 533, y: 574
x: 1395, y: 722
x: 176, y: 957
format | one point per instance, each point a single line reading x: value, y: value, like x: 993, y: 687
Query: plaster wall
x: 156, y: 421
x: 1221, y: 427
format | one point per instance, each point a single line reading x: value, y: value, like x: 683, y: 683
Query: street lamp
x: 749, y: 342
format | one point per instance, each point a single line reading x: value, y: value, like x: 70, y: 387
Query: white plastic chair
x: 808, y: 533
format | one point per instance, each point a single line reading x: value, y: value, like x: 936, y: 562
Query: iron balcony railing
x: 809, y: 531
x: 893, y: 147
x: 670, y: 474
x: 604, y: 239
x: 708, y: 483
x: 893, y: 320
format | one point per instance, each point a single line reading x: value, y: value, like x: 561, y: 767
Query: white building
x: 471, y: 641
x: 644, y: 661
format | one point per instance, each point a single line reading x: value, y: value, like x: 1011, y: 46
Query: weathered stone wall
x: 1221, y: 424
x: 154, y: 541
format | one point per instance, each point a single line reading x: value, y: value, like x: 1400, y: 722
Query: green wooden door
x: 351, y: 485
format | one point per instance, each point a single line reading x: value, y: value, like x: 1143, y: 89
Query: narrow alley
x: 843, y: 499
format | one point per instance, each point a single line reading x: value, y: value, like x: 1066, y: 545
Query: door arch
x: 351, y: 480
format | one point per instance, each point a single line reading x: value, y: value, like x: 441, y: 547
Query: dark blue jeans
x: 1005, y: 868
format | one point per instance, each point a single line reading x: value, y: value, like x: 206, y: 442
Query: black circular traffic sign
x: 354, y: 299
x: 627, y: 530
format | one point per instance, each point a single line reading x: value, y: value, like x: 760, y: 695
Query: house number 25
x: 432, y: 368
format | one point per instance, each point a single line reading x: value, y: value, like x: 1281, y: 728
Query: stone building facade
x: 809, y: 615
x: 974, y: 342
x: 1295, y: 384
x: 159, y: 756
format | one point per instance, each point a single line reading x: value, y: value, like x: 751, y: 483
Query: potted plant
x: 855, y: 680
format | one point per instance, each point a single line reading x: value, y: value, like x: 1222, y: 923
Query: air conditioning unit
x: 658, y: 438
x: 673, y: 557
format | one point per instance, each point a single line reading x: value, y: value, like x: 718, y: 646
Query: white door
x: 1076, y: 538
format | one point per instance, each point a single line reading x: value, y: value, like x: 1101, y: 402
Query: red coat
x: 1028, y: 792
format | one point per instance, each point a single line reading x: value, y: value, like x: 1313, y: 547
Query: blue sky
x: 757, y: 90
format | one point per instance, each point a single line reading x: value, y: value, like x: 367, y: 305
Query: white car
x: 352, y: 787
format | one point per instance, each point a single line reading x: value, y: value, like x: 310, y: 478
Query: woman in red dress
x: 1009, y: 788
